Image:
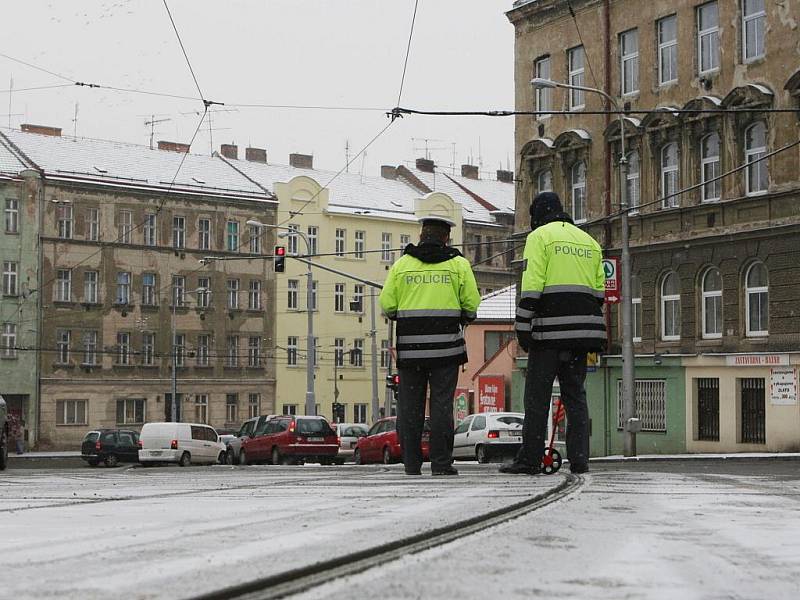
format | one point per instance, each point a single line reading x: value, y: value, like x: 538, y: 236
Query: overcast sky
x: 305, y: 52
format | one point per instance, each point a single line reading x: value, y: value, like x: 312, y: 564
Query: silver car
x: 484, y: 436
x: 349, y: 434
x: 248, y: 429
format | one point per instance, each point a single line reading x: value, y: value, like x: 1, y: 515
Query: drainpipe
x: 607, y: 230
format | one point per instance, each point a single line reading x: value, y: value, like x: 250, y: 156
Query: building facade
x: 712, y: 92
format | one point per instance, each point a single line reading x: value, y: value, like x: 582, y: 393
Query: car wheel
x: 357, y: 457
x: 111, y: 460
x: 276, y: 456
x: 242, y: 457
x: 222, y: 459
x: 230, y: 457
x: 185, y: 460
x: 3, y: 448
x: 387, y: 456
x: 482, y: 455
x: 93, y: 462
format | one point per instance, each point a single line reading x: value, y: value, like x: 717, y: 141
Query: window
x: 709, y: 168
x: 358, y: 297
x: 314, y: 295
x: 338, y: 297
x: 254, y: 295
x: 10, y: 278
x: 752, y: 411
x: 179, y: 349
x: 64, y: 285
x: 544, y: 181
x: 64, y: 218
x: 386, y: 247
x: 12, y: 215
x: 670, y: 308
x: 255, y: 239
x: 650, y: 396
x: 93, y: 224
x: 493, y: 341
x: 633, y: 190
x: 91, y: 288
x: 254, y: 351
x: 8, y: 343
x: 232, y: 354
x: 204, y: 234
x: 755, y: 149
x: 361, y: 240
x: 291, y: 350
x: 338, y: 352
x: 669, y: 175
x: 292, y: 239
x: 201, y: 408
x: 359, y: 413
x: 62, y: 346
x: 253, y: 405
x: 233, y: 293
x: 753, y: 21
x: 708, y: 409
x: 756, y: 293
x: 148, y: 289
x: 340, y: 241
x: 231, y: 408
x: 178, y: 290
x: 358, y: 353
x: 541, y: 69
x: 123, y: 288
x: 291, y: 302
x: 636, y: 301
x: 629, y: 61
x: 232, y: 236
x: 405, y: 240
x: 204, y: 292
x: 708, y: 37
x: 130, y: 411
x: 477, y: 249
x: 712, y: 304
x: 125, y: 226
x: 150, y: 230
x: 178, y: 232
x: 576, y: 68
x: 578, y: 182
x: 148, y: 348
x: 203, y: 345
x: 313, y: 233
x: 71, y: 412
x: 123, y: 348
x: 384, y: 354
x: 668, y: 50
x: 89, y: 347
x: 289, y: 409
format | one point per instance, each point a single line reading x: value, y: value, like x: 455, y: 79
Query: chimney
x: 301, y: 161
x: 469, y: 171
x: 229, y: 151
x: 505, y: 176
x: 41, y: 129
x: 388, y: 172
x: 425, y: 164
x: 173, y: 146
x: 255, y: 155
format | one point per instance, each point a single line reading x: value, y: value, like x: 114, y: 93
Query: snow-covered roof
x: 499, y: 306
x: 9, y: 163
x: 129, y: 165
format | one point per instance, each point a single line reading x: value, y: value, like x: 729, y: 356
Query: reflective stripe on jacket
x: 430, y: 302
x: 563, y: 289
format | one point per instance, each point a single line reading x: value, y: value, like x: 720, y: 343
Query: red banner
x: 491, y: 393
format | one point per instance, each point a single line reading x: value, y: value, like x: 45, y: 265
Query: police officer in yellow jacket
x: 431, y: 293
x: 559, y: 320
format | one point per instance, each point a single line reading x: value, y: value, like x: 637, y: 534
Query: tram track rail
x: 301, y: 579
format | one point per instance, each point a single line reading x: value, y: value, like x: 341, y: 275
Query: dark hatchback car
x: 111, y: 447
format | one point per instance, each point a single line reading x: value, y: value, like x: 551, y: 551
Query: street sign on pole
x: 613, y: 288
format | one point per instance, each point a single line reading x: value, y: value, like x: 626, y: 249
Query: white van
x: 182, y: 443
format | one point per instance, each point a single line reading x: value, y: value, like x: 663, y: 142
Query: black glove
x: 524, y: 340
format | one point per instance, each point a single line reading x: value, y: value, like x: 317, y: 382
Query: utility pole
x: 374, y: 334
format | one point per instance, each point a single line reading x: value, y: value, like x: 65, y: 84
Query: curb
x: 696, y: 458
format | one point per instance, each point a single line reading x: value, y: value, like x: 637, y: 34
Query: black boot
x: 444, y: 471
x: 516, y: 468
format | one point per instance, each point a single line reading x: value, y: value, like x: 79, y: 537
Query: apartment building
x: 715, y: 255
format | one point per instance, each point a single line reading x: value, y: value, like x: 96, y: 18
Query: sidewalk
x: 46, y: 454
x: 732, y: 457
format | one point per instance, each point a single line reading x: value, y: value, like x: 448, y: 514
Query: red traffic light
x: 279, y: 259
x: 396, y: 379
x: 280, y: 251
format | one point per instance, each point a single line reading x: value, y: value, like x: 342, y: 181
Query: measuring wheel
x: 551, y: 461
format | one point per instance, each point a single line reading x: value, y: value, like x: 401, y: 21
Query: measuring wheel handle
x: 551, y: 461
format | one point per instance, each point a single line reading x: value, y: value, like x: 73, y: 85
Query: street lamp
x: 311, y: 404
x: 174, y: 407
x: 628, y: 407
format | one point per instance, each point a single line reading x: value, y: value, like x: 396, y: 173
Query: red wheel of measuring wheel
x: 551, y: 461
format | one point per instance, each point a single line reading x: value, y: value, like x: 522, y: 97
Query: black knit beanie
x: 544, y: 205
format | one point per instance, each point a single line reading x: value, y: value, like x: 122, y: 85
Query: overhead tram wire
x: 185, y: 55
x: 408, y: 52
x: 400, y: 111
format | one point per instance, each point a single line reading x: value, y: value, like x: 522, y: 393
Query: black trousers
x: 414, y: 382
x: 543, y: 367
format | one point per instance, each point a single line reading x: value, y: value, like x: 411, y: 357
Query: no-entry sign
x: 611, y: 269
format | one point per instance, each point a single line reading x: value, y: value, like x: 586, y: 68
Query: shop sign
x: 783, y: 386
x: 462, y: 404
x: 491, y: 393
x: 757, y: 360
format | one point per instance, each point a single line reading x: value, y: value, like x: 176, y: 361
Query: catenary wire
x: 408, y: 52
x: 183, y: 49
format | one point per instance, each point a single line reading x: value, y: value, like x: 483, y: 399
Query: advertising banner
x: 461, y: 404
x: 783, y: 386
x: 491, y: 393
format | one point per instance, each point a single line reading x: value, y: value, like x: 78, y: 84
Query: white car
x: 182, y: 443
x: 349, y: 434
x: 484, y: 436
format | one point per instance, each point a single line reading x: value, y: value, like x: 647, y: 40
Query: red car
x: 383, y: 445
x: 291, y: 439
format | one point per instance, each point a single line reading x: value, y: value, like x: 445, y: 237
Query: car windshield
x: 91, y: 436
x: 311, y: 426
x: 511, y: 420
x: 354, y: 432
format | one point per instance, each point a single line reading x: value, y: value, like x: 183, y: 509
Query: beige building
x: 123, y: 233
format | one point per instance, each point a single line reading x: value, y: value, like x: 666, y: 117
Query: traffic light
x: 280, y: 259
x: 393, y: 382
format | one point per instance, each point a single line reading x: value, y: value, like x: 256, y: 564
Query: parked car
x: 349, y: 434
x: 246, y: 431
x: 485, y: 436
x: 382, y: 444
x: 110, y: 446
x: 291, y: 439
x: 3, y: 434
x: 182, y: 443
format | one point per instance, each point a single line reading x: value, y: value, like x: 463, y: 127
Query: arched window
x: 670, y: 307
x: 755, y: 146
x: 756, y: 291
x: 632, y: 191
x: 636, y: 301
x: 544, y: 181
x: 709, y: 167
x: 578, y: 180
x: 669, y: 175
x: 712, y: 303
